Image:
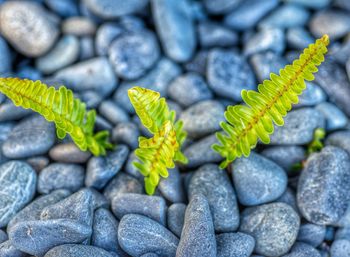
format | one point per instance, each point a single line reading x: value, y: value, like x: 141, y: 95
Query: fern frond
x: 58, y: 106
x: 248, y: 123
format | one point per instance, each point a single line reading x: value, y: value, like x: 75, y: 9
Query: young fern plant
x: 274, y: 98
x: 157, y: 154
x: 59, y: 106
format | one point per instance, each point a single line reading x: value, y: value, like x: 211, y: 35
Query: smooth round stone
x: 198, y: 235
x: 311, y: 234
x: 101, y: 169
x: 189, y: 89
x: 343, y: 233
x: 176, y: 217
x: 172, y: 188
x: 198, y: 63
x: 258, y: 180
x: 248, y: 13
x: 87, y: 48
x: 228, y: 73
x: 105, y: 34
x: 35, y: 33
x: 36, y: 237
x: 335, y: 23
x: 132, y: 23
x: 215, y: 185
x: 234, y: 245
x: 340, y: 51
x: 335, y: 118
x: 316, y: 4
x: 64, y: 53
x: 95, y: 74
x: 91, y: 98
x: 299, y: 38
x: 340, y: 139
x: 212, y: 34
x: 113, y: 112
x: 202, y: 118
x: 126, y: 133
x: 78, y: 26
x: 3, y: 236
x: 220, y: 6
x: 340, y: 248
x: 17, y: 188
x: 175, y: 28
x: 8, y: 250
x: 132, y: 54
x: 131, y: 170
x: 153, y: 207
x: 68, y: 152
x: 10, y: 112
x: 111, y: 9
x: 64, y: 8
x: 303, y: 250
x: 102, y: 124
x: 299, y: 126
x: 311, y: 96
x: 5, y: 55
x: 77, y: 250
x: 274, y: 227
x: 37, y: 162
x: 324, y: 185
x: 285, y: 156
x: 139, y: 235
x: 61, y: 176
x: 28, y: 72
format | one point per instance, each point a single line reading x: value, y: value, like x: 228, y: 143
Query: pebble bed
x: 56, y: 201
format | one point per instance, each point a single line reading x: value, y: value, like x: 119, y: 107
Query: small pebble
x: 303, y: 250
x: 3, y: 236
x: 64, y: 8
x: 299, y: 38
x: 198, y: 63
x: 335, y: 118
x: 68, y: 152
x: 87, y: 48
x: 38, y: 162
x: 76, y: 250
x: 312, y: 95
x: 311, y: 234
x: 220, y: 6
x: 289, y: 197
x: 78, y: 26
x: 105, y: 34
x: 8, y: 250
x: 340, y: 139
x: 126, y: 133
x: 113, y: 112
x: 212, y: 34
x: 234, y: 245
x: 5, y: 55
x: 172, y: 188
x: 340, y: 248
x: 176, y: 217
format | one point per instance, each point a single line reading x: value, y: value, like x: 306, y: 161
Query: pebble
x: 38, y: 162
x: 61, y: 176
x: 198, y: 63
x: 153, y: 207
x: 8, y: 250
x: 126, y: 133
x: 220, y: 6
x: 5, y: 55
x: 10, y: 112
x: 3, y: 236
x: 113, y: 112
x: 311, y: 96
x: 64, y: 8
x: 87, y: 48
x: 78, y: 26
x: 343, y: 4
x: 35, y: 33
x: 176, y: 217
x: 131, y: 169
x: 138, y: 235
x: 303, y: 250
x: 229, y: 82
x: 172, y: 188
x: 299, y: 126
x: 102, y: 123
x: 340, y: 139
x: 64, y: 53
x: 176, y: 31
x: 215, y: 185
x: 94, y: 74
x: 132, y: 54
x: 17, y: 188
x: 274, y: 227
x: 100, y: 170
x: 258, y: 180
x: 299, y: 38
x: 77, y: 250
x: 200, y: 152
x: 289, y: 197
x: 234, y: 245
x: 98, y: 199
x: 111, y: 9
x: 340, y: 248
x: 105, y: 34
x: 149, y: 255
x: 212, y: 34
x: 323, y: 185
x: 317, y: 4
x: 343, y: 233
x: 340, y: 51
x: 311, y: 234
x: 334, y: 23
x: 36, y: 237
x: 335, y: 118
x: 68, y: 152
x: 132, y: 23
x: 91, y: 98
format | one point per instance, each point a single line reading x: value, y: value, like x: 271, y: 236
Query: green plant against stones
x: 156, y: 154
x: 59, y: 106
x: 255, y: 119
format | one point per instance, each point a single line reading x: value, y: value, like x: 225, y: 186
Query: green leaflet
x: 254, y: 120
x: 58, y: 106
x: 158, y: 153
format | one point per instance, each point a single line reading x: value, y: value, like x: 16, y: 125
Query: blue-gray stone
x: 139, y: 235
x: 132, y: 23
x: 220, y: 6
x: 335, y: 118
x: 68, y: 153
x: 64, y: 53
x: 111, y: 9
x: 299, y: 126
x: 343, y: 233
x: 8, y: 250
x: 153, y: 207
x: 36, y: 32
x: 102, y: 124
x: 95, y: 74
x: 212, y: 34
x: 312, y: 95
x: 315, y: 4
x: 324, y: 185
x: 3, y: 236
x: 17, y: 188
x: 176, y: 217
x: 36, y: 237
x: 61, y: 176
x: 113, y: 112
x: 98, y: 199
x: 215, y: 185
x: 330, y: 232
x: 267, y: 39
x: 5, y: 129
x: 175, y: 28
x: 157, y: 79
x: 234, y: 245
x: 335, y: 23
x: 198, y: 63
x: 198, y: 236
x: 285, y: 156
x: 258, y: 180
x: 37, y: 162
x: 172, y: 188
x: 289, y: 197
x: 91, y: 98
x: 286, y: 16
x: 131, y: 169
x: 311, y: 234
x: 64, y: 8
x: 274, y: 227
x: 132, y: 54
x: 345, y: 4
x: 5, y: 55
x: 77, y: 250
x: 87, y: 48
x: 189, y: 89
x: 126, y: 133
x: 340, y: 248
x: 303, y: 250
x: 248, y: 13
x: 28, y: 72
x: 299, y: 38
x: 101, y: 169
x: 228, y: 73
x: 10, y: 112
x: 149, y: 255
x: 78, y: 26
x: 105, y: 34
x: 200, y: 152
x: 340, y: 51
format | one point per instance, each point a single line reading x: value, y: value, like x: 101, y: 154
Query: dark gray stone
x: 8, y: 250
x: 234, y: 245
x: 176, y: 217
x: 105, y: 34
x: 78, y: 26
x: 340, y: 248
x: 113, y: 112
x: 75, y: 250
x: 68, y: 152
x: 335, y: 118
x: 340, y: 139
x: 126, y: 133
x: 311, y: 234
x: 172, y: 188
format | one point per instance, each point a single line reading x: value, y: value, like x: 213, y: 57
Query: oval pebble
x: 78, y: 26
x: 68, y: 152
x: 176, y: 217
x: 234, y: 245
x: 8, y: 250
x: 75, y: 250
x: 172, y: 188
x: 311, y: 234
x: 340, y: 248
x: 126, y: 133
x: 105, y: 34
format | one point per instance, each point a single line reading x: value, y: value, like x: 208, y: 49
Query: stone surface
x: 303, y: 250
x: 311, y: 234
x: 176, y: 217
x: 299, y: 38
x: 3, y: 236
x: 37, y: 162
x: 105, y: 34
x: 220, y: 6
x: 78, y: 26
x: 75, y: 250
x: 172, y: 188
x: 340, y: 139
x: 5, y: 56
x: 68, y: 152
x: 234, y: 245
x: 212, y: 34
x: 335, y: 118
x: 113, y: 112
x: 312, y: 95
x: 126, y: 133
x: 8, y: 250
x: 340, y: 248
x: 10, y: 112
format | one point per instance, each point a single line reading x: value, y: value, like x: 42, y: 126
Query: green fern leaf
x: 58, y: 106
x: 248, y: 123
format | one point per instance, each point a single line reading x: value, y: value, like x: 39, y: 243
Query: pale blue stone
x: 335, y: 118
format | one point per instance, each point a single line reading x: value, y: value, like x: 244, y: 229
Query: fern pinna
x: 158, y: 153
x: 59, y: 106
x: 247, y: 123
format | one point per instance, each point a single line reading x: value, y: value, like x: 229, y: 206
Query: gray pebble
x: 234, y: 245
x: 172, y: 188
x: 105, y: 34
x: 78, y: 26
x: 335, y: 118
x: 176, y: 217
x: 126, y: 133
x: 198, y: 63
x: 131, y: 169
x: 343, y: 233
x: 340, y: 139
x: 64, y: 8
x: 68, y: 152
x: 340, y: 51
x: 212, y: 34
x: 312, y: 95
x: 8, y: 250
x: 289, y: 197
x: 311, y: 234
x: 340, y: 248
x: 38, y: 162
x: 299, y: 38
x: 303, y: 250
x: 10, y: 112
x: 76, y: 250
x: 113, y: 112
x: 220, y: 6
x: 87, y: 48
x: 3, y: 236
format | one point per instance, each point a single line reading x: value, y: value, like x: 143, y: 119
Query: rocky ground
x: 58, y: 201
